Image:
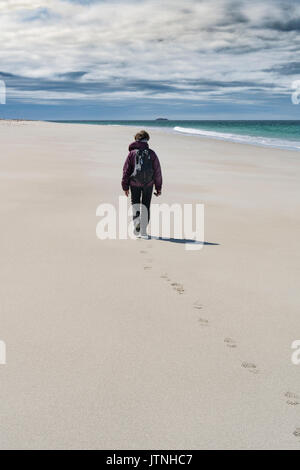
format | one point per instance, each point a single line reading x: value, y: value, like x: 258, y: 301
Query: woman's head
x: 142, y: 135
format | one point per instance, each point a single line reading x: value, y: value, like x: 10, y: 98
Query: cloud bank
x: 198, y: 51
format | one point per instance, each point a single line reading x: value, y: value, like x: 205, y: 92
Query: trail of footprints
x: 230, y: 343
x: 177, y: 287
x: 292, y: 399
x: 251, y: 367
x: 148, y: 260
x: 202, y: 321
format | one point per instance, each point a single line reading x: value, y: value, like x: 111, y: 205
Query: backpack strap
x: 136, y: 156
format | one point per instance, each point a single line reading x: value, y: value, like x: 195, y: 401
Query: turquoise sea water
x: 279, y: 134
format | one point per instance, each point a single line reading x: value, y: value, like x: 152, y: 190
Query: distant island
x: 161, y: 119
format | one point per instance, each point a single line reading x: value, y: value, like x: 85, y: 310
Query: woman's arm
x: 127, y: 172
x: 157, y: 173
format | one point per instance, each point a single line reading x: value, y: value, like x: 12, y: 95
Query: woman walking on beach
x: 141, y: 172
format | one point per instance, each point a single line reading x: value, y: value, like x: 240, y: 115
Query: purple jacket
x: 130, y: 164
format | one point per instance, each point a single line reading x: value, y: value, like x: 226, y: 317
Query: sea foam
x: 243, y: 139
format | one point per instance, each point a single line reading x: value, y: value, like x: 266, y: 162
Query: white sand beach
x: 103, y: 350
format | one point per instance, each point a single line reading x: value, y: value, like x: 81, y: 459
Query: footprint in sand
x: 230, y: 343
x: 292, y: 399
x: 297, y: 432
x: 197, y: 305
x: 203, y: 322
x: 143, y: 251
x: 178, y: 287
x: 250, y: 367
x: 147, y: 268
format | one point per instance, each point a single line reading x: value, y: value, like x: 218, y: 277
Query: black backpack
x: 143, y: 169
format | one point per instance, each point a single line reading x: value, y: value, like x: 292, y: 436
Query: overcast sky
x: 127, y: 59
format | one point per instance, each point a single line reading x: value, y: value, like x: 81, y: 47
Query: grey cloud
x: 289, y: 68
x: 284, y: 26
x: 148, y: 47
x: 149, y: 88
x: 72, y: 75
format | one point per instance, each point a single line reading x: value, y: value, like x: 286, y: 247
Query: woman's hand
x: 126, y: 192
x: 157, y: 193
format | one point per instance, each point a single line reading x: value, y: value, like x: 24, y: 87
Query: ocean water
x: 278, y: 134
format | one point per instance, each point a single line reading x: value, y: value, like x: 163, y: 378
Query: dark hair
x: 142, y: 135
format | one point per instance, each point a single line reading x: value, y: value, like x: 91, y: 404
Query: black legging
x: 142, y: 195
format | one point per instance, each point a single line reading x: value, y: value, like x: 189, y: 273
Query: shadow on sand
x: 184, y: 240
